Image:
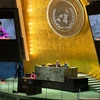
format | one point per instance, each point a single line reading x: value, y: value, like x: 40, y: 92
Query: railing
x: 79, y: 97
x: 6, y: 93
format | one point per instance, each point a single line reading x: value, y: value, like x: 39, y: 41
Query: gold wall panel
x: 46, y: 47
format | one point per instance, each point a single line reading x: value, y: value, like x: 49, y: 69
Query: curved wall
x: 46, y: 47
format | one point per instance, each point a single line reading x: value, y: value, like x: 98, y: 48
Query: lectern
x: 29, y: 86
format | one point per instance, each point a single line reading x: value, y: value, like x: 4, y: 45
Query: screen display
x: 10, y: 36
x: 95, y: 26
x: 94, y: 21
x: 7, y: 29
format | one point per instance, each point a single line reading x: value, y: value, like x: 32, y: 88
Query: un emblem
x: 65, y: 17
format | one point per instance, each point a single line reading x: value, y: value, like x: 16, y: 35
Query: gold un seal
x: 65, y: 17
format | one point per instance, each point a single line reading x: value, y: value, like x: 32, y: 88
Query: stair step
x: 98, y: 90
x: 95, y: 86
x: 80, y: 74
x: 93, y: 82
x: 90, y: 78
x: 96, y: 83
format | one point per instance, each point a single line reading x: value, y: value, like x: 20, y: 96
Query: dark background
x: 93, y: 9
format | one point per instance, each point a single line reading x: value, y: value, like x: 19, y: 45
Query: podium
x: 71, y: 85
x: 29, y: 86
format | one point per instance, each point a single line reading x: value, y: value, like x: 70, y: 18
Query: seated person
x: 66, y: 65
x: 33, y: 76
x: 57, y: 64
